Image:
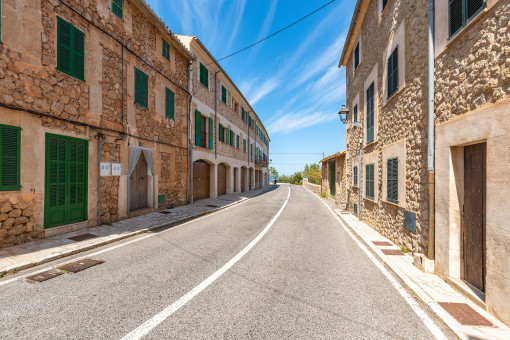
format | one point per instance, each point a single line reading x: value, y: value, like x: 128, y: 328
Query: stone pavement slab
x: 15, y: 258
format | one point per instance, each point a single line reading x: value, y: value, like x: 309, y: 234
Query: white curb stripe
x: 438, y: 333
x: 153, y: 322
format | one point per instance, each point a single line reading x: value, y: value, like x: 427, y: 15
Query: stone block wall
x: 316, y: 189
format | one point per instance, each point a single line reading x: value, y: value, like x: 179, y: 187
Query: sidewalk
x: 15, y: 258
x: 446, y: 302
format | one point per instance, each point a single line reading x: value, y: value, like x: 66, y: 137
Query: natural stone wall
x: 312, y: 187
x: 17, y: 220
x: 110, y: 152
x: 112, y: 115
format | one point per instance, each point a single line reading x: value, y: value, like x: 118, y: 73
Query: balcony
x: 259, y: 160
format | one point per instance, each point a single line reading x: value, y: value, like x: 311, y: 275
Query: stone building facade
x: 387, y: 46
x: 333, y: 178
x: 230, y: 145
x: 83, y: 87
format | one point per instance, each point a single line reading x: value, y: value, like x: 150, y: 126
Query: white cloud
x: 262, y: 90
x: 296, y: 121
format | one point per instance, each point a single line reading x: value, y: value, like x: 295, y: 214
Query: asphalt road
x: 306, y: 278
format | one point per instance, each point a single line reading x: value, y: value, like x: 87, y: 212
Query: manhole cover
x: 49, y: 274
x: 464, y: 314
x: 82, y: 237
x: 79, y: 265
x: 212, y: 206
x: 164, y: 212
x: 382, y: 243
x: 391, y: 252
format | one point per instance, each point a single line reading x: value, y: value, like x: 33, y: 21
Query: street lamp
x: 344, y: 111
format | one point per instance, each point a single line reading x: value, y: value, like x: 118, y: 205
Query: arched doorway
x: 222, y: 179
x: 201, y: 180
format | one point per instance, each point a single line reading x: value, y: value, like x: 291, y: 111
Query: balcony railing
x: 259, y: 160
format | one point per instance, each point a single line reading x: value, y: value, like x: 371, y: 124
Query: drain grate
x: 79, y: 265
x: 82, y: 237
x: 382, y: 243
x: 391, y: 252
x: 49, y: 274
x: 464, y: 314
x: 213, y: 206
x: 164, y: 212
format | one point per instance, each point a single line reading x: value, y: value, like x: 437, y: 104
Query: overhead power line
x: 296, y: 153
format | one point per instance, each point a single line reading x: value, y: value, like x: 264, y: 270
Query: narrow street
x: 305, y: 278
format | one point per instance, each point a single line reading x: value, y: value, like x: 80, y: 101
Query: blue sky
x: 292, y: 80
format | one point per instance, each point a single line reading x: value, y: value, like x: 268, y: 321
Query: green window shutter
x: 461, y: 12
x: 118, y: 8
x: 356, y: 57
x: 355, y: 113
x: 220, y: 133
x: 393, y: 73
x: 244, y: 145
x: 231, y: 138
x: 223, y: 94
x: 198, y: 128
x: 355, y: 175
x: 370, y: 113
x: 70, y: 49
x: 204, y: 75
x: 332, y: 178
x: 237, y: 141
x: 10, y: 146
x: 369, y: 181
x: 170, y: 104
x: 141, y: 88
x: 211, y: 133
x: 392, y: 180
x: 242, y: 110
x: 166, y: 50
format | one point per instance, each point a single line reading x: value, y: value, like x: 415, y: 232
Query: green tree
x: 273, y: 172
x: 313, y: 172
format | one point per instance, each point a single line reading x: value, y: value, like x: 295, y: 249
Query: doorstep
x: 64, y: 229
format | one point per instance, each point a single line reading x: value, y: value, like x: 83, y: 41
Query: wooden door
x: 222, y: 179
x: 243, y: 179
x: 139, y: 185
x: 66, y: 173
x: 332, y: 179
x: 201, y: 180
x: 473, y: 222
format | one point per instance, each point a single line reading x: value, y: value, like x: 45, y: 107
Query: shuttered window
x: 220, y: 133
x: 223, y: 94
x: 169, y: 104
x: 227, y: 136
x: 370, y: 113
x: 355, y: 113
x: 141, y: 89
x: 211, y: 132
x: 244, y: 145
x: 461, y: 12
x: 70, y: 49
x: 204, y: 75
x: 10, y: 145
x: 393, y: 73
x: 355, y: 208
x: 237, y: 141
x: 369, y: 181
x: 198, y: 128
x: 242, y: 111
x: 356, y: 56
x: 355, y: 175
x: 231, y: 138
x: 118, y: 8
x: 392, y: 180
x: 166, y: 50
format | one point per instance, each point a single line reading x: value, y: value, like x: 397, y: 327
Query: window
x: 251, y: 152
x: 227, y: 135
x: 355, y: 208
x: 118, y: 8
x: 244, y: 145
x: 237, y: 141
x: 166, y: 50
x: 370, y: 113
x: 355, y: 113
x: 231, y: 138
x: 169, y: 104
x: 198, y: 128
x: 369, y: 175
x: 462, y: 12
x: 384, y: 3
x: 210, y: 133
x: 221, y: 136
x: 10, y: 145
x: 356, y: 56
x: 204, y: 75
x: 392, y: 180
x: 223, y: 94
x: 70, y: 49
x: 355, y: 175
x: 141, y: 89
x: 393, y: 73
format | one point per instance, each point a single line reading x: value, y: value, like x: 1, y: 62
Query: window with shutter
x: 211, y: 132
x: 393, y: 73
x: 355, y: 175
x: 70, y: 49
x: 10, y: 145
x: 242, y: 111
x: 118, y: 8
x: 244, y: 145
x: 227, y: 135
x: 231, y: 138
x: 169, y: 104
x: 356, y: 56
x: 223, y: 94
x: 369, y: 182
x: 198, y: 128
x: 204, y: 75
x: 392, y: 180
x: 355, y: 113
x: 237, y: 141
x: 141, y: 89
x: 166, y: 50
x: 220, y: 132
x: 370, y: 113
x: 461, y: 12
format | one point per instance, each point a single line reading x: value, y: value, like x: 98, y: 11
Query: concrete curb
x: 16, y: 268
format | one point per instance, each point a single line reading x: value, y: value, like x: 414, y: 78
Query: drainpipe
x: 99, y: 136
x: 190, y: 144
x: 430, y: 151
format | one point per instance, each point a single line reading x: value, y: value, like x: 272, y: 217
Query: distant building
x: 333, y: 177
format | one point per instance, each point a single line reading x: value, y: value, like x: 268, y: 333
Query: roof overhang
x: 339, y: 154
x: 354, y: 29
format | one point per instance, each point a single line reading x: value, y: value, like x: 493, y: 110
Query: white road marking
x: 438, y: 333
x: 123, y: 244
x: 153, y: 322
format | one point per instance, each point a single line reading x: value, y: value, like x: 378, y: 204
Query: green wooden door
x: 332, y: 180
x: 66, y: 181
